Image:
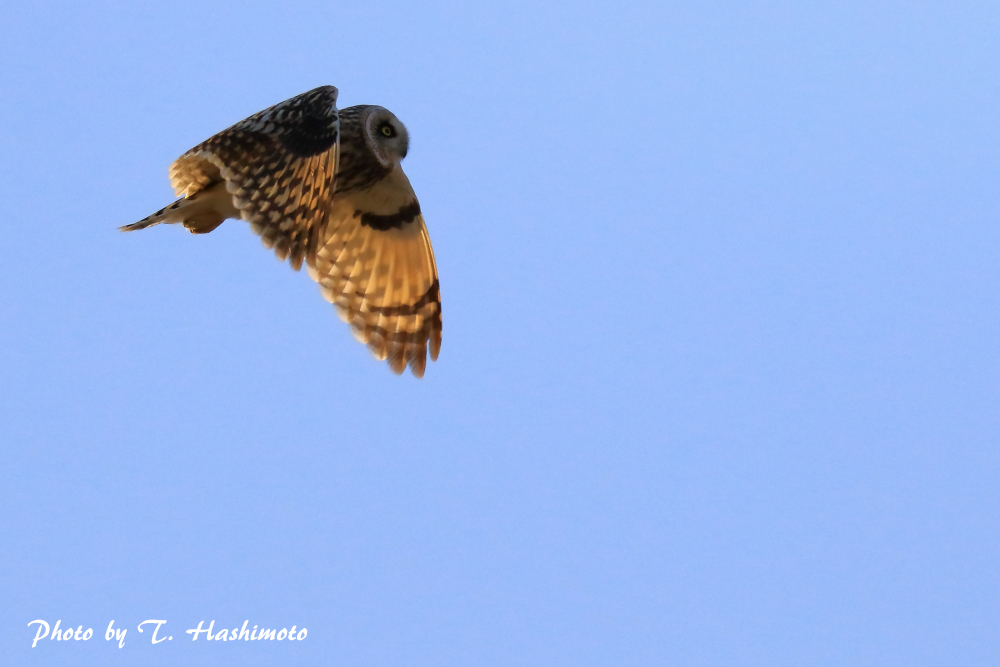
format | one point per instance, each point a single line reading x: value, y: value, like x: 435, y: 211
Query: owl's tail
x: 168, y: 214
x: 200, y: 212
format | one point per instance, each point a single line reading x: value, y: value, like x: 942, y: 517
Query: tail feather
x: 166, y: 214
x: 200, y: 212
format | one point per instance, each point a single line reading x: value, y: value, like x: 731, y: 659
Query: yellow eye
x: 387, y: 130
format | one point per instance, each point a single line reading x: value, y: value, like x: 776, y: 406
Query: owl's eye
x: 387, y: 131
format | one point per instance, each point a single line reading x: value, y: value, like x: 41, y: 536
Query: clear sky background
x: 719, y: 381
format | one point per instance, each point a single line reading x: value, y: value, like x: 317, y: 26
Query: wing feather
x: 279, y: 165
x: 382, y: 277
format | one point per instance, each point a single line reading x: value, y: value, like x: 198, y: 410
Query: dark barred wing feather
x: 280, y: 167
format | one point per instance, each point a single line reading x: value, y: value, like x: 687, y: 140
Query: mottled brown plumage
x: 325, y: 188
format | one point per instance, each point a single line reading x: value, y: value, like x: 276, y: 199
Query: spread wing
x: 376, y: 265
x: 280, y: 167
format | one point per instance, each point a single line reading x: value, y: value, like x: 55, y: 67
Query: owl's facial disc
x: 387, y: 137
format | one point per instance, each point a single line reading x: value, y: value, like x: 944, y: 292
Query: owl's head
x: 386, y: 136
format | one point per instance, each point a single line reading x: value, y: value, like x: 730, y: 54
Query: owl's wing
x: 376, y: 265
x: 279, y: 165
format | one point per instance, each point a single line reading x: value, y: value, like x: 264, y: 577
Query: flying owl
x: 324, y: 187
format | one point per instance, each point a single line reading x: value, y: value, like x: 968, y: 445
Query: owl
x: 324, y: 188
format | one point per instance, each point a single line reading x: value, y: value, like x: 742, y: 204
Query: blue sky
x: 719, y: 375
